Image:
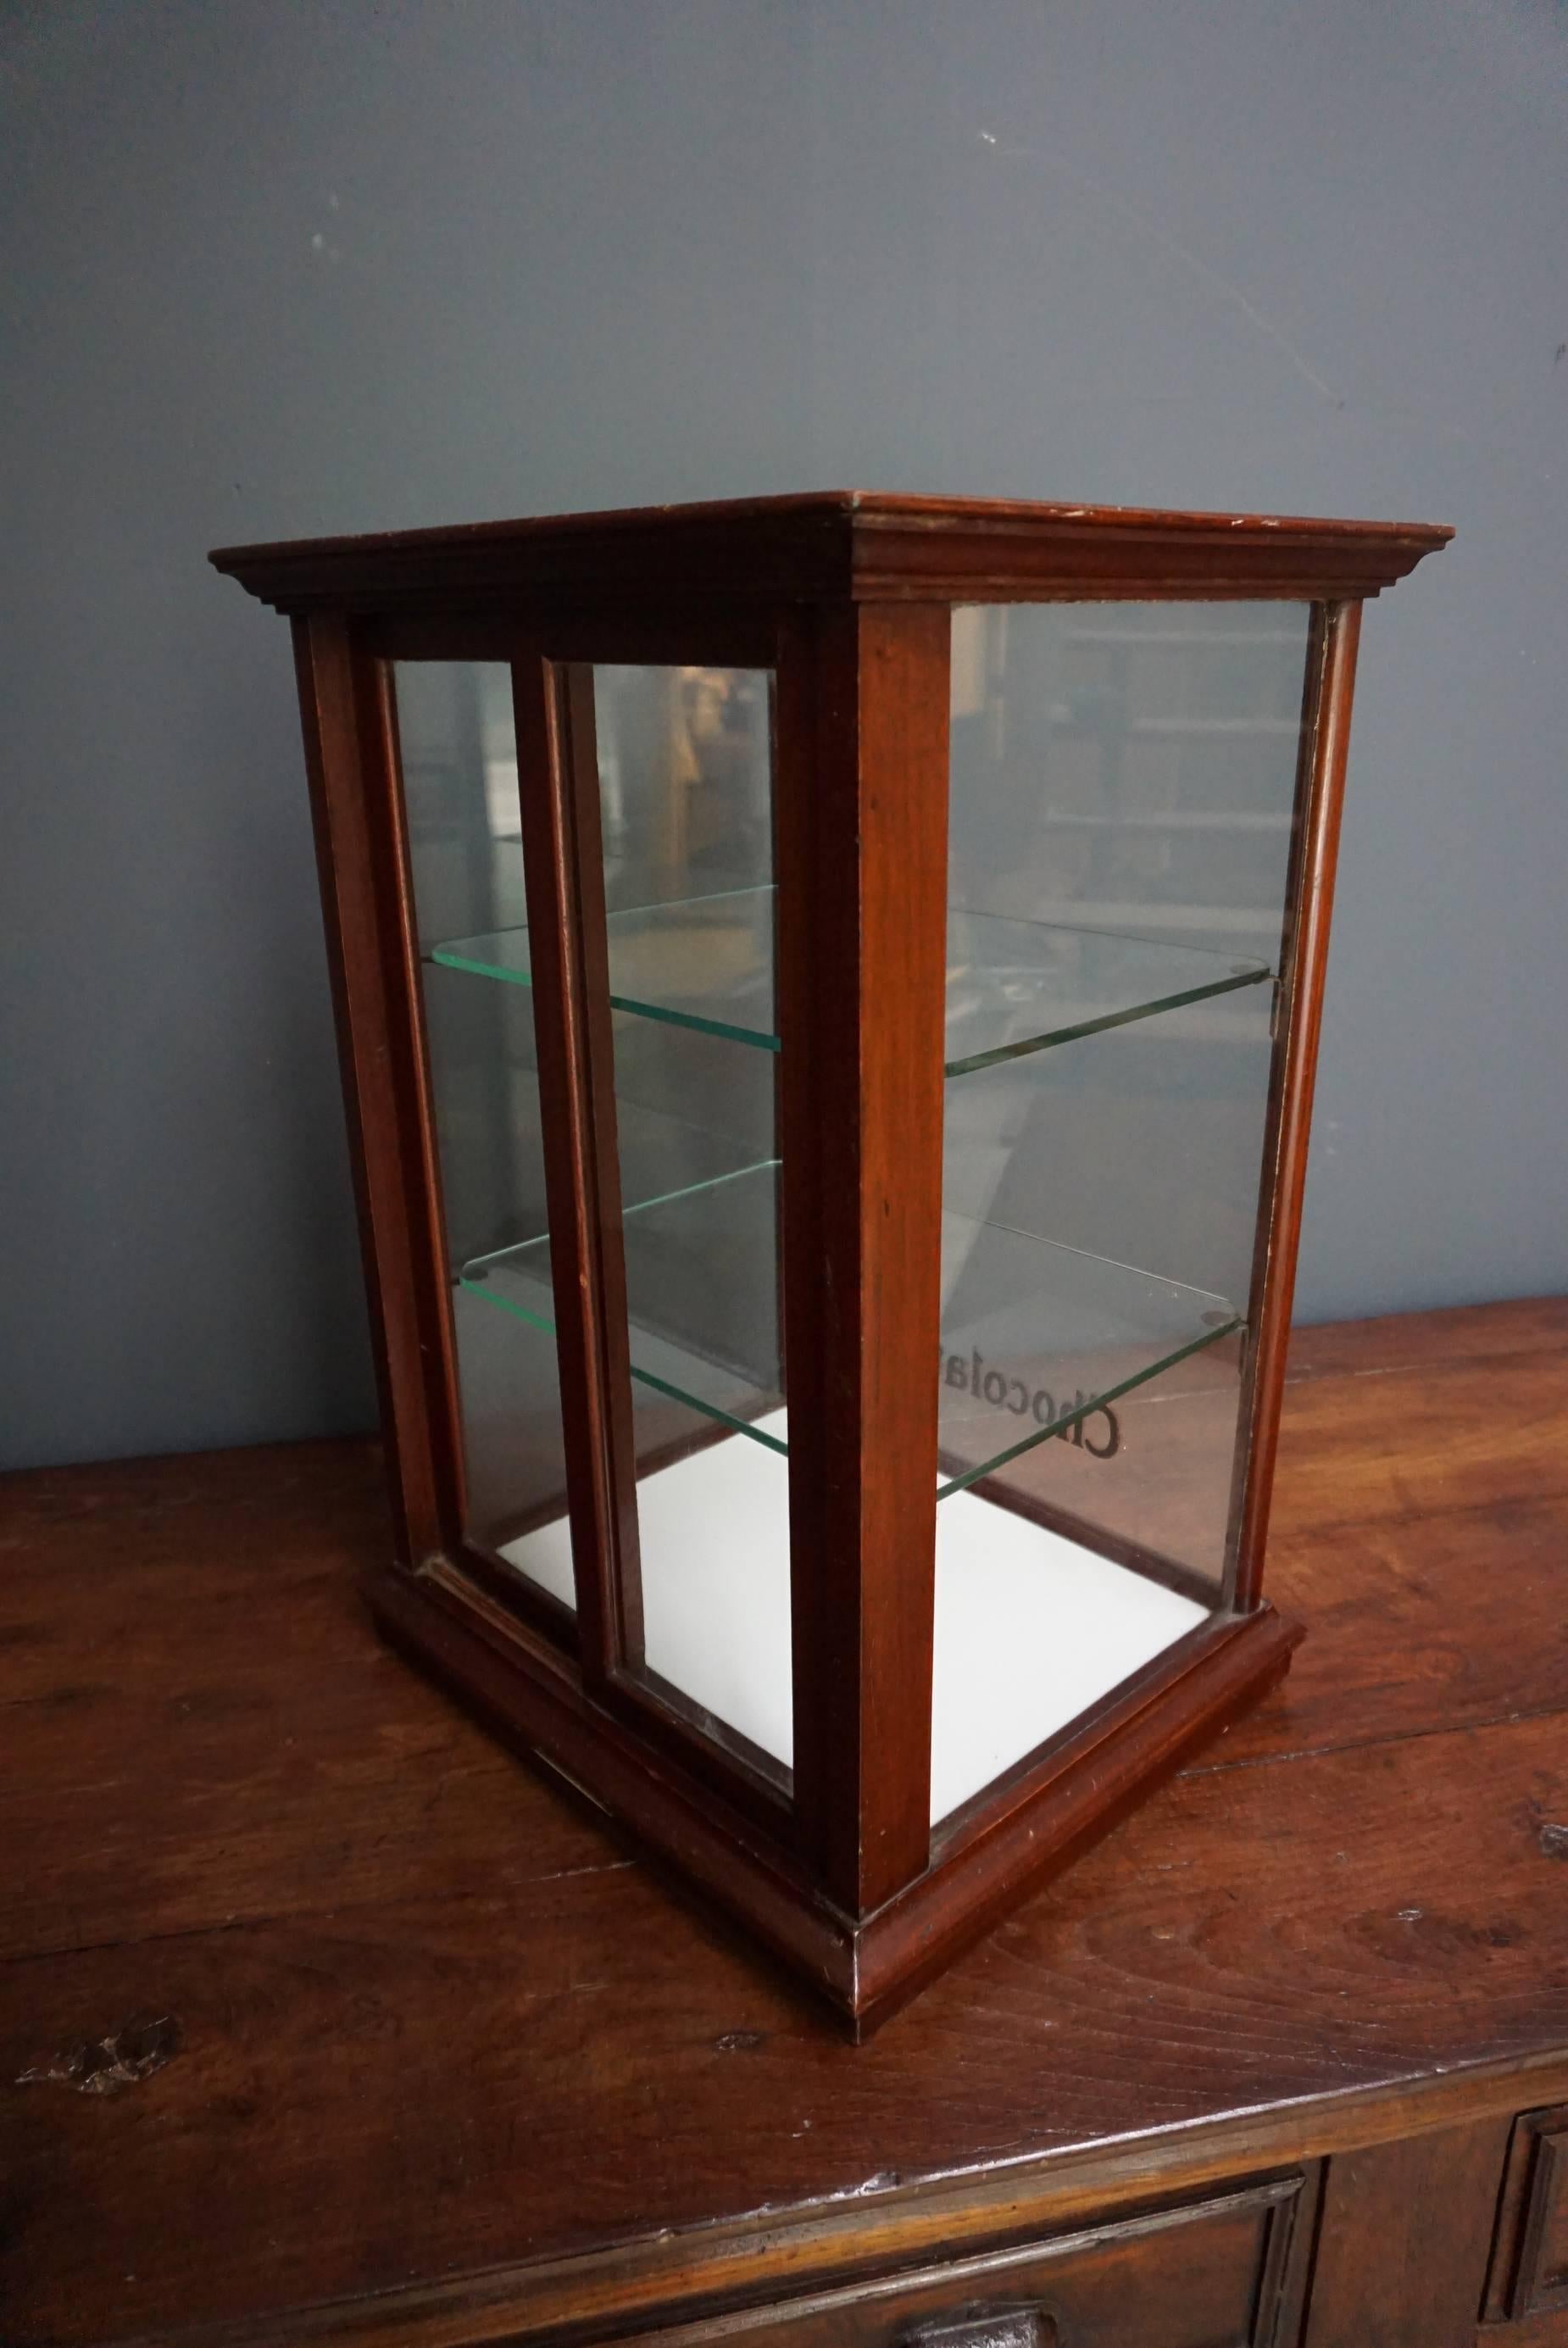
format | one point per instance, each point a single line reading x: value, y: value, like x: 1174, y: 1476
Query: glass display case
x: 828, y: 991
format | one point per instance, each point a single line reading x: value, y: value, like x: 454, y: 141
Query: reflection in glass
x: 687, y: 813
x: 685, y: 770
x: 460, y: 788
x: 1123, y: 802
x: 1124, y: 774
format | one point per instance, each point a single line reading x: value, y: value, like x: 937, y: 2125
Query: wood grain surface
x: 435, y: 2035
x: 1416, y: 2281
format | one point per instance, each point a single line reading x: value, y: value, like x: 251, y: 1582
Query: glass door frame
x: 552, y: 659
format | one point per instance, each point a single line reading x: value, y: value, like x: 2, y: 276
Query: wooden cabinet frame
x: 847, y: 600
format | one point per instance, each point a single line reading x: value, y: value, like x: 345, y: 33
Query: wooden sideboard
x: 321, y: 2020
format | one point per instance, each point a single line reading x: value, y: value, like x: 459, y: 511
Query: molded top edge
x: 859, y: 507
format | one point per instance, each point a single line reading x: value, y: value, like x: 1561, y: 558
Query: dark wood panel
x: 1404, y: 2233
x: 1529, y: 2272
x: 1215, y: 2275
x: 1540, y: 2285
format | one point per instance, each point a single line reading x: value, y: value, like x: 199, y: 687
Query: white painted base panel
x: 1031, y: 1629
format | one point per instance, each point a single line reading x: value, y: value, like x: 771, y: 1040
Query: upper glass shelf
x: 699, y: 961
x: 1013, y: 987
x: 1017, y: 987
x: 1034, y: 1336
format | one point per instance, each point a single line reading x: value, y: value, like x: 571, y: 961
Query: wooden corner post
x: 1320, y: 796
x: 863, y: 872
x: 563, y: 881
x: 349, y: 719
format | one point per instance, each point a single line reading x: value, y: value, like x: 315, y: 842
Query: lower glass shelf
x: 1035, y: 1335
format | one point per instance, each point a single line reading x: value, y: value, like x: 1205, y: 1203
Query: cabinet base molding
x: 1012, y: 1841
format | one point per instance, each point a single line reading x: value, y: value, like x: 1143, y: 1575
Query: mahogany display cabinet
x: 828, y: 990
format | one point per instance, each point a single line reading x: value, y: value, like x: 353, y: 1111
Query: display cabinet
x: 828, y: 991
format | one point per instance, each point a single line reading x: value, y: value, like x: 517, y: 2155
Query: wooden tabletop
x: 407, y: 2024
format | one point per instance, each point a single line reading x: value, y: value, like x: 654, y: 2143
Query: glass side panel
x: 1125, y: 773
x: 460, y: 788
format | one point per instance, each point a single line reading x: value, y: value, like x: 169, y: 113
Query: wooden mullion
x: 1325, y: 742
x: 349, y: 724
x: 862, y: 830
x: 569, y: 956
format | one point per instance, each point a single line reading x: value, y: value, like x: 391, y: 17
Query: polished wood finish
x: 362, y: 863
x: 845, y: 543
x: 863, y: 869
x: 1303, y: 966
x: 563, y: 873
x: 452, y: 2066
x: 846, y: 598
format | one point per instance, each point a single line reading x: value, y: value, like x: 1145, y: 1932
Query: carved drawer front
x: 1215, y: 2274
x: 1530, y: 2265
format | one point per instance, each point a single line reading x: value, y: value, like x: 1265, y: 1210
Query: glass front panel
x: 461, y: 789
x: 1123, y: 781
x: 686, y: 813
x: 687, y: 818
x: 685, y: 758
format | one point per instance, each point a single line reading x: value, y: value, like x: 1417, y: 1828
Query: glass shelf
x: 701, y: 961
x: 1036, y: 1335
x: 702, y: 1292
x: 1013, y: 987
x: 1017, y: 987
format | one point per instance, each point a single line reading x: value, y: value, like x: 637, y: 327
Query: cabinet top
x: 842, y: 544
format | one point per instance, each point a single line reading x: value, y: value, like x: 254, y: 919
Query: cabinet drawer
x: 1529, y: 2264
x: 1213, y: 2274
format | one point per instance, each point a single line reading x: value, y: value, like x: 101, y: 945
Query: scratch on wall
x: 1142, y: 226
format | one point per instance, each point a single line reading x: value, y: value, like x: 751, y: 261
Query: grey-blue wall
x: 274, y: 267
